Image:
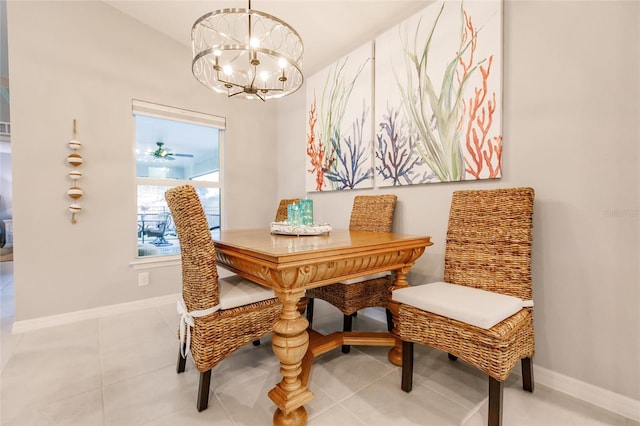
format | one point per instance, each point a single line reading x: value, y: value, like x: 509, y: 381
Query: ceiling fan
x: 162, y: 152
x: 165, y: 154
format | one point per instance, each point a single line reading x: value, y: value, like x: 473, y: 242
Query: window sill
x: 155, y: 262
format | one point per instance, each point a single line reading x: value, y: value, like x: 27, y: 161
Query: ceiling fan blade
x: 163, y: 153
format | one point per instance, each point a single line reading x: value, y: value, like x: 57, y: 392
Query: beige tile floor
x: 120, y: 370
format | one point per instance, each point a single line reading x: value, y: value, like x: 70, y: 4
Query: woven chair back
x: 281, y: 213
x: 372, y: 213
x: 489, y: 238
x: 199, y: 271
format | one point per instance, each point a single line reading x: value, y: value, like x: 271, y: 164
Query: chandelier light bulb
x: 254, y: 42
x: 264, y: 76
x: 227, y: 70
x: 282, y: 63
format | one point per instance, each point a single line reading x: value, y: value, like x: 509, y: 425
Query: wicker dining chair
x: 369, y: 213
x: 483, y: 312
x: 218, y: 315
x: 281, y: 213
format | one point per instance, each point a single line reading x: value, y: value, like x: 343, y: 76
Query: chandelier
x: 247, y: 54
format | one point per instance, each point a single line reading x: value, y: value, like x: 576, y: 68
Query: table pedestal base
x: 295, y: 418
x: 395, y: 356
x: 320, y: 344
x: 290, y: 342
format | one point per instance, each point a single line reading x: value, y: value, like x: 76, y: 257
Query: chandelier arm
x: 234, y: 94
x: 230, y: 83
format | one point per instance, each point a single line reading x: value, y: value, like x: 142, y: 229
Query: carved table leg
x: 290, y: 343
x: 395, y: 353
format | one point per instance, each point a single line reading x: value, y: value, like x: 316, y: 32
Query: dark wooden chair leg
x: 389, y: 321
x: 347, y: 326
x: 527, y: 374
x: 347, y: 321
x: 452, y: 357
x: 310, y: 311
x: 181, y: 361
x: 407, y: 366
x: 203, y: 390
x: 495, y: 402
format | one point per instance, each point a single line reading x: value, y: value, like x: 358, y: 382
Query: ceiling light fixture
x: 247, y: 54
x: 162, y: 153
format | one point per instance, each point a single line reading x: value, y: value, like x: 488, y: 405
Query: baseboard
x: 103, y: 311
x: 614, y: 402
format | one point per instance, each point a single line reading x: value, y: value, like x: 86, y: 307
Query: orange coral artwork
x: 439, y: 95
x: 316, y: 151
x: 484, y: 150
x: 339, y: 154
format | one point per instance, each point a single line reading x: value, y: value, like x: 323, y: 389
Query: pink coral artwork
x: 438, y: 86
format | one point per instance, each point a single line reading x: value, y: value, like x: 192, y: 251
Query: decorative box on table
x: 285, y: 228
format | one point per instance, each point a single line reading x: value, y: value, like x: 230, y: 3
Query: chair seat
x: 350, y: 298
x: 237, y: 291
x: 473, y: 306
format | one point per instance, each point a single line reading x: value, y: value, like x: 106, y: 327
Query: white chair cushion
x: 366, y: 277
x: 473, y: 306
x: 236, y: 291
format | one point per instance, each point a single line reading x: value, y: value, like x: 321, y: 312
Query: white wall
x: 87, y: 61
x: 571, y: 102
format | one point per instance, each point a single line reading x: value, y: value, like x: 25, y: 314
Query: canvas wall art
x: 339, y: 111
x: 438, y: 95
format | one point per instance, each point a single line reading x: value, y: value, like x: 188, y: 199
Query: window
x: 173, y: 147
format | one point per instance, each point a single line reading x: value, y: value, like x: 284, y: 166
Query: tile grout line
x: 226, y: 412
x: 99, y: 327
x: 359, y: 390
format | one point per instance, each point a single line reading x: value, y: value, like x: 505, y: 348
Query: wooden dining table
x: 291, y: 264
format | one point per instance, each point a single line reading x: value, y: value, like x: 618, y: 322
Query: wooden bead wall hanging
x: 75, y: 160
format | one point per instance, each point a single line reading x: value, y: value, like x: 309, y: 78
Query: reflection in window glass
x: 171, y: 153
x: 170, y: 149
x: 159, y: 236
